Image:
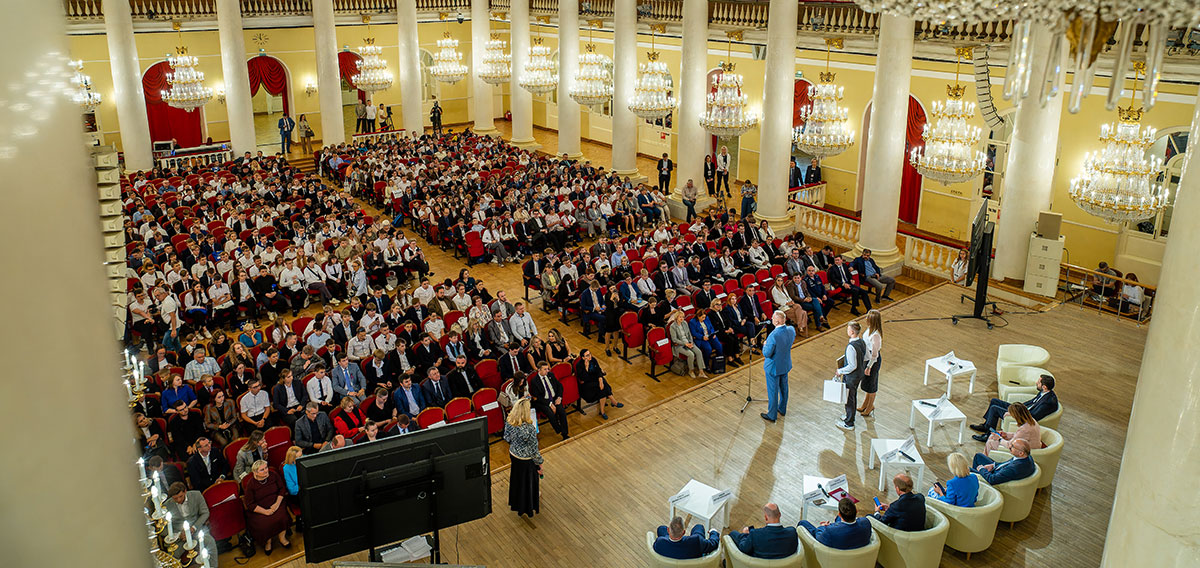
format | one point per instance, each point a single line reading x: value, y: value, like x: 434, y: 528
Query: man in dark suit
x: 289, y: 398
x: 664, y: 167
x: 464, y: 381
x: 870, y: 275
x: 1040, y: 406
x: 513, y: 362
x: 1020, y: 467
x: 345, y: 331
x: 907, y: 512
x: 673, y: 543
x: 820, y: 298
x: 314, y: 430
x: 705, y: 296
x: 426, y: 355
x: 840, y: 279
x: 844, y: 533
x: 546, y: 394
x: 409, y: 399
x: 795, y: 174
x: 435, y: 390
x: 591, y: 309
x: 813, y: 173
x: 771, y: 541
x: 206, y: 467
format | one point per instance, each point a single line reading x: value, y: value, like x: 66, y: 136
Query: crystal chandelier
x: 593, y: 82
x: 1118, y: 183
x: 539, y: 76
x: 447, y: 63
x: 186, y: 89
x: 497, y: 65
x: 83, y: 95
x: 949, y: 154
x: 826, y: 129
x: 652, y: 91
x: 726, y: 114
x: 373, y: 74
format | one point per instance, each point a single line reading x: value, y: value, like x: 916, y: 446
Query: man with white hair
x: 777, y: 362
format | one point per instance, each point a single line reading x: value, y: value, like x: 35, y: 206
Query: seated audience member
x: 545, y: 392
x: 254, y: 449
x: 404, y: 425
x: 1131, y: 297
x: 200, y: 365
x: 1102, y: 286
x: 840, y: 279
x: 961, y: 490
x: 313, y: 430
x: 1020, y: 467
x: 382, y: 408
x: 177, y: 391
x: 190, y: 506
x: 289, y: 398
x: 435, y: 390
x: 907, y: 512
x: 1027, y: 429
x: 350, y: 422
x: 266, y: 515
x: 870, y: 275
x: 320, y: 389
x: 338, y: 442
x: 593, y: 382
x: 255, y: 406
x: 771, y: 541
x: 409, y: 398
x: 372, y: 431
x: 206, y: 467
x: 1040, y: 406
x: 184, y: 427
x: 377, y: 373
x: 348, y: 379
x: 463, y: 379
x: 672, y: 542
x: 844, y: 533
x: 290, y: 479
x: 157, y: 469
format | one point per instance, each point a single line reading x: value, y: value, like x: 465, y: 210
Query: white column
x: 692, y: 139
x: 481, y: 91
x: 885, y: 143
x: 521, y: 100
x: 412, y: 113
x: 127, y: 85
x: 1151, y: 511
x: 1029, y: 171
x: 45, y: 163
x: 329, y: 78
x: 625, y: 61
x: 775, y: 141
x: 568, y: 67
x: 237, y: 77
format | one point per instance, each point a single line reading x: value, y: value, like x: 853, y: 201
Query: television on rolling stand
x: 370, y: 495
x: 979, y: 264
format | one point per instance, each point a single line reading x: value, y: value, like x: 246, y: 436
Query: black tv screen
x: 981, y: 242
x: 370, y: 495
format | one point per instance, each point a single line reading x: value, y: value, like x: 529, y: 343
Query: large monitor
x: 370, y: 495
x: 980, y: 251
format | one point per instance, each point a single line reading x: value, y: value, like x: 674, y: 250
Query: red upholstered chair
x: 764, y: 277
x: 484, y: 401
x: 570, y: 393
x: 475, y: 250
x: 232, y: 449
x: 299, y: 325
x: 658, y: 346
x: 633, y: 333
x: 227, y: 516
x: 489, y: 373
x: 430, y: 416
x: 279, y: 439
x: 748, y: 279
x: 459, y: 409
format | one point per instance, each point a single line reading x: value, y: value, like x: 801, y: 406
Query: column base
x: 679, y: 211
x: 528, y: 144
x: 634, y: 176
x: 577, y: 156
x: 487, y: 131
x: 890, y: 261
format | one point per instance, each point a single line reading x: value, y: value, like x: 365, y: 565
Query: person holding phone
x: 907, y: 512
x: 960, y: 490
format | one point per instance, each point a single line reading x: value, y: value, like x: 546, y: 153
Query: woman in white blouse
x: 958, y: 270
x: 873, y: 337
x: 1131, y: 296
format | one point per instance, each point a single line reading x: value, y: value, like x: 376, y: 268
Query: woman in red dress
x: 266, y: 514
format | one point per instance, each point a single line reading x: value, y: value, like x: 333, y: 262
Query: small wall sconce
x: 310, y: 89
x: 221, y: 94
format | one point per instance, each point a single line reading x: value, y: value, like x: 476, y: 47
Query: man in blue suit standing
x: 673, y: 543
x: 844, y: 533
x: 771, y: 541
x: 777, y: 363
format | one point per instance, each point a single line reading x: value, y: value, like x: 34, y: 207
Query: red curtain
x: 268, y: 72
x: 800, y: 100
x: 166, y: 121
x: 348, y: 67
x: 910, y: 184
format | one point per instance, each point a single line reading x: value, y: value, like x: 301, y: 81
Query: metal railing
x: 382, y: 135
x: 1076, y: 285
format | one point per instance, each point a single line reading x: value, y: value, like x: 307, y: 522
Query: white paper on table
x: 909, y: 446
x: 838, y: 482
x: 889, y: 456
x: 721, y: 496
x: 680, y: 497
x: 813, y: 495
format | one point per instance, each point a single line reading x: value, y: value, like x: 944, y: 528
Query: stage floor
x: 606, y: 487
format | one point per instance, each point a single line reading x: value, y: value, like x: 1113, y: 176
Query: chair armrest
x: 1020, y: 393
x: 999, y: 456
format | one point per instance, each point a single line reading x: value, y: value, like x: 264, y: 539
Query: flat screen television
x: 369, y: 495
x: 980, y: 252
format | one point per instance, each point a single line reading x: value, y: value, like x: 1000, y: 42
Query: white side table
x: 699, y: 504
x: 880, y: 447
x: 949, y: 367
x: 811, y: 483
x: 947, y: 412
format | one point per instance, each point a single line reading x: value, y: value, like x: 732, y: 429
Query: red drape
x: 800, y: 100
x: 348, y: 67
x: 166, y: 121
x: 268, y: 72
x: 910, y: 183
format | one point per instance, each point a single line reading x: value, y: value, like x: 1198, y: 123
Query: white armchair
x: 972, y: 529
x: 904, y: 549
x: 1018, y: 496
x: 1018, y: 354
x: 1049, y: 421
x: 710, y: 560
x: 1046, y: 458
x: 817, y: 555
x: 739, y: 560
x: 1025, y: 377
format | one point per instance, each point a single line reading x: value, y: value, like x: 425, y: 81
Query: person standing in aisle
x: 372, y: 112
x: 777, y: 363
x: 873, y: 338
x: 852, y: 372
x: 286, y: 126
x: 710, y: 174
x: 665, y: 167
x: 360, y: 116
x: 723, y: 172
x: 749, y: 202
x: 435, y: 117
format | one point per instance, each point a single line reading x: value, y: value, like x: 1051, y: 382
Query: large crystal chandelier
x: 539, y: 76
x: 1118, y: 183
x: 83, y: 95
x: 186, y: 85
x: 726, y: 114
x: 949, y: 154
x: 447, y: 62
x: 593, y: 82
x: 652, y: 91
x: 497, y: 65
x: 373, y: 74
x: 826, y: 129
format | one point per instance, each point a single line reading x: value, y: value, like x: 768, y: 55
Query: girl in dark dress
x: 612, y: 323
x: 557, y: 350
x: 593, y: 385
x: 520, y: 432
x: 266, y: 515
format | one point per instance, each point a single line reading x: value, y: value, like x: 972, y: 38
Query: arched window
x: 429, y: 85
x: 1172, y: 147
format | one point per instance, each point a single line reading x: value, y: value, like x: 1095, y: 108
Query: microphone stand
x: 749, y: 379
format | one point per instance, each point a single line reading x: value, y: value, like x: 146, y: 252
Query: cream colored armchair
x: 1025, y: 377
x: 739, y: 560
x: 904, y: 549
x: 972, y: 529
x: 1018, y: 354
x: 817, y: 555
x: 710, y: 560
x: 1018, y: 496
x: 1049, y: 421
x: 1046, y: 458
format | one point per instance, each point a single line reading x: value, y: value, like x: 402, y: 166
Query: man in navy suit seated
x: 1040, y: 406
x: 1020, y: 467
x: 907, y: 512
x: 673, y: 543
x: 845, y: 533
x: 771, y: 541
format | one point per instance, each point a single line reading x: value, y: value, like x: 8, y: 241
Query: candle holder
x: 190, y: 553
x: 171, y: 543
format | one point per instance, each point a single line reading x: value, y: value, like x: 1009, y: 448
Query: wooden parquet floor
x: 605, y: 488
